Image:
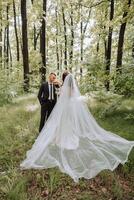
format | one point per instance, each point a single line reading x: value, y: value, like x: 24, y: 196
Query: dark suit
x: 46, y: 104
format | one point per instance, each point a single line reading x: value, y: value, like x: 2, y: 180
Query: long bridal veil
x: 72, y: 140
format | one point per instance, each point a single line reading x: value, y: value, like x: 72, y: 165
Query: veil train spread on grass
x: 72, y: 140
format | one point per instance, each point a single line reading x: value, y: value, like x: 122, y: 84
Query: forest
x: 94, y: 40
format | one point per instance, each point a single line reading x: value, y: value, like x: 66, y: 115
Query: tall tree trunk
x: 98, y: 45
x: 83, y: 29
x: 16, y: 32
x: 10, y: 54
x: 133, y: 50
x: 19, y: 28
x: 60, y: 47
x: 35, y: 41
x: 43, y: 42
x: 4, y: 50
x: 121, y: 39
x: 105, y: 48
x: 35, y: 35
x: 65, y: 37
x: 25, y: 45
x: 109, y: 45
x: 81, y: 34
x: 0, y: 34
x: 72, y: 37
x: 7, y: 37
x: 57, y: 45
x: 8, y: 50
x: 81, y: 41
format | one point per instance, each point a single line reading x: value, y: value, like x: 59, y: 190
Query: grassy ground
x: 18, y: 130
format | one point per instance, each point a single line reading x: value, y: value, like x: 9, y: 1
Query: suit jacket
x: 43, y: 93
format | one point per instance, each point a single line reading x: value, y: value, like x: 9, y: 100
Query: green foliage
x: 35, y: 64
x: 117, y: 190
x: 13, y: 185
x: 10, y: 85
x: 93, y: 79
x: 124, y: 82
x: 112, y: 103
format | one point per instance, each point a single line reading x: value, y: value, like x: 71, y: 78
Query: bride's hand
x: 57, y: 82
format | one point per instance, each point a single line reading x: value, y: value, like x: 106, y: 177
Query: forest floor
x: 19, y: 123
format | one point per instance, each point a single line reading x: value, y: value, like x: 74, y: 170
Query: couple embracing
x: 48, y: 94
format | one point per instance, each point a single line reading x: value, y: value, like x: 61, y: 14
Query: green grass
x: 18, y: 130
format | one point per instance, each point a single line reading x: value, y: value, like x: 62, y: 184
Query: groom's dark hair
x: 53, y: 73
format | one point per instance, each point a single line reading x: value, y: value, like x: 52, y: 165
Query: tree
x: 0, y: 34
x: 83, y: 29
x: 7, y: 36
x: 133, y: 50
x: 35, y: 34
x: 25, y: 45
x: 72, y: 36
x: 57, y: 45
x: 65, y: 37
x: 43, y: 42
x: 121, y: 38
x: 16, y: 32
x: 109, y: 44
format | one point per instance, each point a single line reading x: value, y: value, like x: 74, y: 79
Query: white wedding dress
x: 72, y: 140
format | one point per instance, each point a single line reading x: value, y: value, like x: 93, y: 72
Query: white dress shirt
x: 49, y: 86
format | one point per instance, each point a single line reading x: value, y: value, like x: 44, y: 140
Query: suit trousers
x: 46, y: 109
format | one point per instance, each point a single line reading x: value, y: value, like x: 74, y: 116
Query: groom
x: 47, y: 98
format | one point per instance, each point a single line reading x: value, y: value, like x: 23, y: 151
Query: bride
x: 72, y: 140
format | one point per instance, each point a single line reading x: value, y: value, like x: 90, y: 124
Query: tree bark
x: 83, y: 29
x: 0, y: 34
x: 25, y: 45
x: 10, y: 54
x: 133, y: 50
x: 121, y: 39
x: 35, y: 41
x: 72, y: 37
x: 98, y: 45
x: 16, y: 32
x: 35, y: 34
x: 43, y: 42
x: 109, y: 45
x: 65, y: 37
x: 5, y: 31
x: 60, y: 46
x: 81, y: 41
x: 7, y: 37
x: 81, y: 34
x: 57, y: 45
